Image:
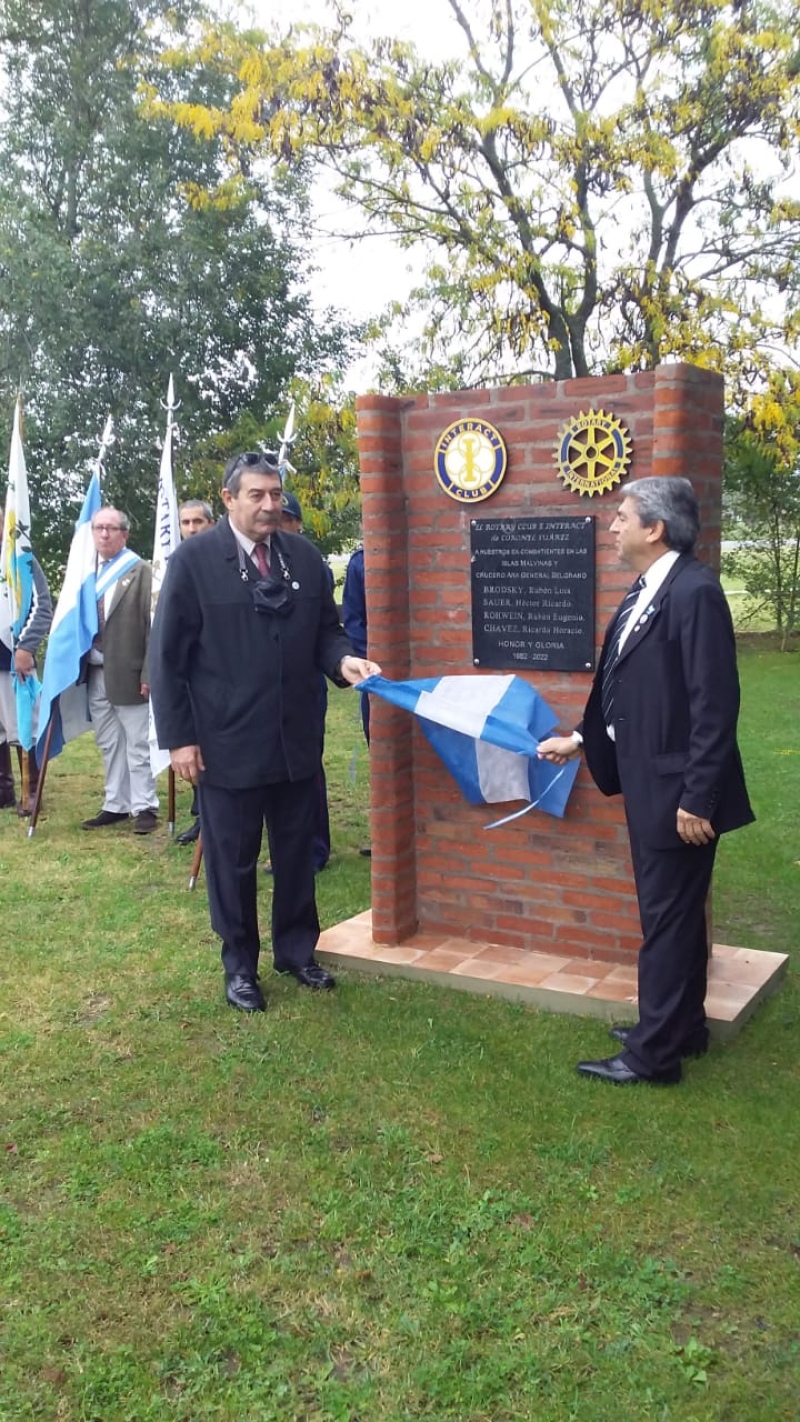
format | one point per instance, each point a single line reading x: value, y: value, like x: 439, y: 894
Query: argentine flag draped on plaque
x: 74, y: 627
x: 486, y: 730
x: 16, y: 579
x: 166, y: 539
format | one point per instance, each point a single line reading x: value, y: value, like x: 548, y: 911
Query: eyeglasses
x: 256, y: 460
x: 107, y: 528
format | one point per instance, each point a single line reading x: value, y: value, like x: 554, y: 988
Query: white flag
x: 166, y: 539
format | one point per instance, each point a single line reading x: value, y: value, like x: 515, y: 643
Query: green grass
x: 389, y: 1202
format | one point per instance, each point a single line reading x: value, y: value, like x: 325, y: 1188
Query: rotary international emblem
x: 593, y: 452
x: 470, y: 460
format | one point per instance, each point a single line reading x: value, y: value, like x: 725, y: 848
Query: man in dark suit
x: 117, y: 677
x: 245, y: 623
x: 660, y: 729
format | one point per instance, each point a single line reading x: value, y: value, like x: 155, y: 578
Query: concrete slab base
x: 739, y: 978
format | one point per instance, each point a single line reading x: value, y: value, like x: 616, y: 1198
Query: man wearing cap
x: 245, y: 622
x: 354, y: 617
x: 292, y: 522
x: 194, y: 516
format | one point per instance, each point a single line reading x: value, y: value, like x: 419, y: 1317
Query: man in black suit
x: 660, y: 728
x: 244, y: 625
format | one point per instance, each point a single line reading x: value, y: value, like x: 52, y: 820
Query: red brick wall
x: 538, y: 883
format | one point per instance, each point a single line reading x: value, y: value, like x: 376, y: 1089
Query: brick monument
x: 538, y: 888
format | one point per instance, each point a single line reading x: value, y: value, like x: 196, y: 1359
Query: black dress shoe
x: 620, y: 1034
x: 106, y: 817
x: 313, y: 976
x: 189, y: 836
x: 145, y: 822
x: 615, y: 1070
x: 695, y: 1047
x: 243, y: 992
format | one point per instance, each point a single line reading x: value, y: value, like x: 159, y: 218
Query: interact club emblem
x: 470, y: 460
x: 593, y: 452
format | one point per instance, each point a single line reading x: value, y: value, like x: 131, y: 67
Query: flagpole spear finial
x: 170, y: 403
x: 287, y: 440
x: 106, y: 441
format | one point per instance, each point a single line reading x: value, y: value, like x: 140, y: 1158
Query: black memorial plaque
x: 533, y: 593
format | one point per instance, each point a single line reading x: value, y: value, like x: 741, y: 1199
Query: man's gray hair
x: 197, y: 504
x: 674, y: 502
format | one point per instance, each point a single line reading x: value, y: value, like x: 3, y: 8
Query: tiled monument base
x: 739, y: 978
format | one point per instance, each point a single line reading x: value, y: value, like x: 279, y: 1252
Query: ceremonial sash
x: 114, y: 570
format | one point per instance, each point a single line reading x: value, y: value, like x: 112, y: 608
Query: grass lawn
x: 393, y: 1201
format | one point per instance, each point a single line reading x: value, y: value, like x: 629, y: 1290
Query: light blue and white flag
x: 166, y: 539
x: 74, y: 628
x: 486, y: 729
x: 16, y: 579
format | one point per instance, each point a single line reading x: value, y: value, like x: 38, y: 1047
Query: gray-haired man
x: 117, y: 677
x: 660, y: 729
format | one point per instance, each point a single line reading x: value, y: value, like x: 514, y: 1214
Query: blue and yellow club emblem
x: 592, y: 452
x: 470, y: 460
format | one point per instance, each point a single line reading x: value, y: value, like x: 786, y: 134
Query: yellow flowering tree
x: 601, y: 183
x: 762, y: 483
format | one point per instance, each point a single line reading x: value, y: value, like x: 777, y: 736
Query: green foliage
x: 602, y: 185
x: 762, y: 492
x: 324, y: 461
x: 115, y: 269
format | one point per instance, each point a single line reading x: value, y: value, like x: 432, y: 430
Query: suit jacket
x: 676, y: 705
x: 243, y: 684
x: 126, y: 637
x: 354, y: 603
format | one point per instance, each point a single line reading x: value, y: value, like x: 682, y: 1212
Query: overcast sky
x: 362, y: 277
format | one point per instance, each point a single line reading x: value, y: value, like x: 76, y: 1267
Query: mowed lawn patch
x: 389, y: 1202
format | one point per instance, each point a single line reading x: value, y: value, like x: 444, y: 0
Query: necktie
x: 97, y: 641
x: 260, y: 555
x: 620, y: 622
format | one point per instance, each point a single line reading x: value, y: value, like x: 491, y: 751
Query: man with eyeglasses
x: 245, y: 623
x: 117, y: 677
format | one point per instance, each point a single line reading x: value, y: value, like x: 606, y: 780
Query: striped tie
x: 620, y: 623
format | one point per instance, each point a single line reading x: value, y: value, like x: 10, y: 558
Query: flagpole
x: 37, y: 803
x: 197, y: 859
